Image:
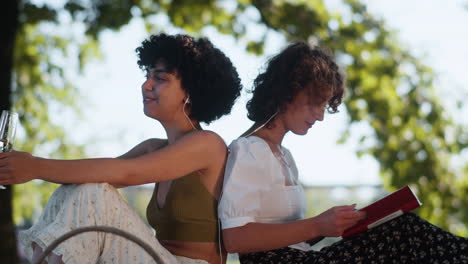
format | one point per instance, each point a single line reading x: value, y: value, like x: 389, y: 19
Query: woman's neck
x: 176, y: 131
x: 273, y: 135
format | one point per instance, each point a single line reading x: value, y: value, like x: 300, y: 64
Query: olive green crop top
x: 189, y: 212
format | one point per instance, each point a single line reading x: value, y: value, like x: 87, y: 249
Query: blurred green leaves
x: 390, y: 90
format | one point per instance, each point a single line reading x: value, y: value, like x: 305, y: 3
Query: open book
x: 385, y: 209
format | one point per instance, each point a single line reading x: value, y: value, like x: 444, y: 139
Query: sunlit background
x: 111, y: 120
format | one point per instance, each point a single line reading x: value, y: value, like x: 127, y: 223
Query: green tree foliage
x: 40, y: 88
x: 389, y: 89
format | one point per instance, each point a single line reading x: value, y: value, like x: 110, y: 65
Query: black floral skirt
x: 405, y: 239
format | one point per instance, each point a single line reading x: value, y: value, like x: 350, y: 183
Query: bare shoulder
x: 150, y: 145
x: 144, y: 147
x: 207, y: 139
x: 154, y: 144
x: 212, y: 150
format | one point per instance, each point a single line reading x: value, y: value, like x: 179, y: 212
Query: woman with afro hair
x: 263, y: 205
x: 188, y: 81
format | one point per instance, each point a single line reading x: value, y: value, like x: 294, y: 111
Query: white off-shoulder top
x: 260, y: 187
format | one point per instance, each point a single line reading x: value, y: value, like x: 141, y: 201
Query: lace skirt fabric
x: 73, y: 206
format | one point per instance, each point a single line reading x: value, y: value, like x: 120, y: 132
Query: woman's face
x: 302, y: 113
x: 163, y: 96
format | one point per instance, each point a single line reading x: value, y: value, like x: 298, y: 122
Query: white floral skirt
x: 73, y: 206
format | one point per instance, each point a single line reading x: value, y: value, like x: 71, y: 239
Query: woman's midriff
x: 208, y: 251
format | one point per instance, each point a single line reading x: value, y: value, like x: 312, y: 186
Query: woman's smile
x: 147, y: 100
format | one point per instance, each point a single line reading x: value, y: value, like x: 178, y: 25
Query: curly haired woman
x: 188, y: 81
x: 263, y: 205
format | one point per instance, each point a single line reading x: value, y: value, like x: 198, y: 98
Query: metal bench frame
x: 105, y: 229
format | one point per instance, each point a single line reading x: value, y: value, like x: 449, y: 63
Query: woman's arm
x: 141, y: 149
x: 193, y: 152
x: 254, y: 237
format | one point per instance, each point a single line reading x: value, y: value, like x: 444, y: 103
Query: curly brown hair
x: 207, y: 74
x: 294, y: 69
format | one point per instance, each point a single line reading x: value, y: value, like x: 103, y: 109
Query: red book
x: 385, y: 209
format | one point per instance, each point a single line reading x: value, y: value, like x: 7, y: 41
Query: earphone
x: 262, y: 125
x: 219, y: 240
x: 187, y: 101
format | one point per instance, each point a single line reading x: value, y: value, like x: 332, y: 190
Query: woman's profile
x: 263, y: 204
x: 188, y: 81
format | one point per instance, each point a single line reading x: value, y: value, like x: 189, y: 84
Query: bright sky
x: 113, y: 119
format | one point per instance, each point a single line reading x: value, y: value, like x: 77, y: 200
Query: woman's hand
x: 16, y: 167
x: 336, y: 220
